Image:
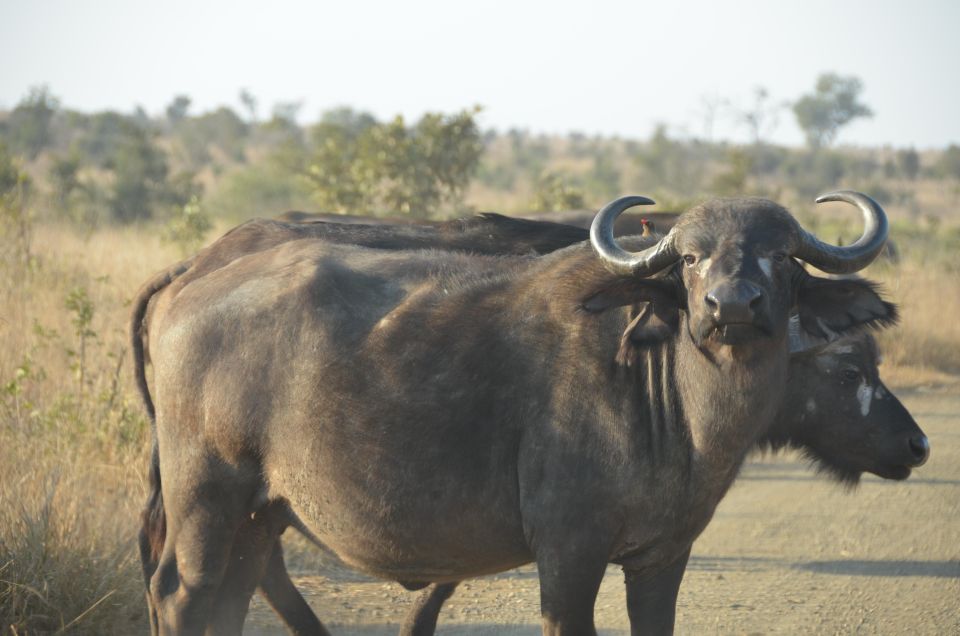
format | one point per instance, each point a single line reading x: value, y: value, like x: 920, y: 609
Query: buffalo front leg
x: 250, y: 559
x: 569, y: 582
x: 286, y: 600
x: 652, y: 598
x: 422, y: 618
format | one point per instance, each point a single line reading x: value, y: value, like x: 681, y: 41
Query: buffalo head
x: 843, y: 416
x: 729, y: 265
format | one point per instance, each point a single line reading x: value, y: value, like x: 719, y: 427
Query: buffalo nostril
x: 920, y: 448
x: 756, y: 300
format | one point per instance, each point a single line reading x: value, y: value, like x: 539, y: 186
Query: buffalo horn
x: 834, y: 259
x: 644, y: 263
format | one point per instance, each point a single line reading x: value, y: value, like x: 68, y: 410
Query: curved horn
x: 845, y: 260
x: 618, y: 260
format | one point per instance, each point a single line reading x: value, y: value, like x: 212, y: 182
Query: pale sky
x: 614, y: 68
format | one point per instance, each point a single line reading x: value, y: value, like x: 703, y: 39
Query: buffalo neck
x: 728, y: 401
x: 716, y: 403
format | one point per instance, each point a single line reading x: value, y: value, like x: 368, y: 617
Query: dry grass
x: 74, y: 442
x: 925, y: 347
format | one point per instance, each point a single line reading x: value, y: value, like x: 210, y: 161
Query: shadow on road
x: 480, y: 629
x: 936, y: 569
x: 939, y: 569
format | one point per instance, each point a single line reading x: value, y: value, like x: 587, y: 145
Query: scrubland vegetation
x: 92, y: 204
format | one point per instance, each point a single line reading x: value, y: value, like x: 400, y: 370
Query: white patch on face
x: 865, y: 397
x: 811, y: 406
x: 703, y: 267
x: 766, y: 266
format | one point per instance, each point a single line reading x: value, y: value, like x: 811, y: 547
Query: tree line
x: 125, y: 167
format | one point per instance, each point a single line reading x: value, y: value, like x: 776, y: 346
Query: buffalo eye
x: 850, y: 374
x: 779, y: 256
x: 689, y: 259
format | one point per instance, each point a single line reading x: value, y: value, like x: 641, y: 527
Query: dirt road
x: 788, y: 552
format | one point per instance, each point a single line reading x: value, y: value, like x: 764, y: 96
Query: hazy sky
x: 596, y: 67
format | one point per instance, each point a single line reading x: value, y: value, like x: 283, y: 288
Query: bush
x: 188, y: 227
x: 365, y: 167
x: 555, y: 195
x: 264, y: 190
x: 15, y: 221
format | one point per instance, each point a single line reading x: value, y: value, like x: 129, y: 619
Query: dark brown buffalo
x: 836, y: 433
x: 836, y: 410
x: 526, y: 387
x: 891, y: 442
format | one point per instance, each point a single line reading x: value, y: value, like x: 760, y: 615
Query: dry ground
x: 787, y: 553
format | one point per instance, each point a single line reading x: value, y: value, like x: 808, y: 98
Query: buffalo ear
x: 631, y: 291
x: 828, y: 307
x: 654, y: 312
x: 650, y: 324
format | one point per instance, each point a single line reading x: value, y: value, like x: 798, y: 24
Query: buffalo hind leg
x: 202, y: 523
x: 285, y: 599
x: 652, y: 599
x: 422, y: 618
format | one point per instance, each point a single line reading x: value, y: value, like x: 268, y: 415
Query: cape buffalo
x: 433, y: 416
x: 836, y: 410
x: 837, y: 434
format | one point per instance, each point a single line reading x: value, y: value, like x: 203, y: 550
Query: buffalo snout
x: 736, y: 302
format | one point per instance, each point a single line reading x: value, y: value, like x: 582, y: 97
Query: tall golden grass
x: 73, y: 437
x: 74, y: 440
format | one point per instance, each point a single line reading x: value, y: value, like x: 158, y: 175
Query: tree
x: 833, y: 104
x: 554, y: 195
x: 761, y: 117
x: 949, y: 163
x: 221, y: 128
x: 287, y: 111
x: 140, y: 177
x: 64, y: 177
x: 909, y: 163
x: 363, y: 166
x: 29, y: 124
x: 250, y: 103
x: 178, y: 109
x: 103, y: 135
x: 711, y: 108
x: 733, y: 181
x: 671, y: 164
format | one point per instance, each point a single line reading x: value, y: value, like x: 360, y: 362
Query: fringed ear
x: 650, y: 324
x: 828, y: 307
x: 654, y: 312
